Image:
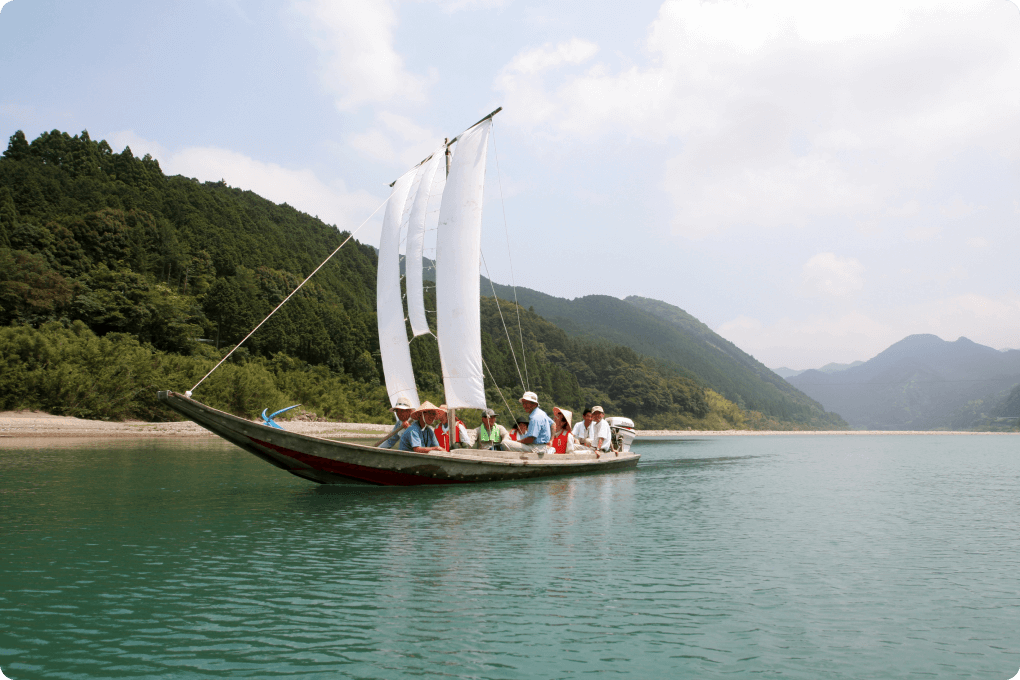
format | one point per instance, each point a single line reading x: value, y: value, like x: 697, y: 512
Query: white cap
x: 529, y: 396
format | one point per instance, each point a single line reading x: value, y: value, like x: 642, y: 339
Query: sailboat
x: 458, y: 329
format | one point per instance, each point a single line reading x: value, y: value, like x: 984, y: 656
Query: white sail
x: 429, y: 189
x: 396, y: 355
x: 458, y: 293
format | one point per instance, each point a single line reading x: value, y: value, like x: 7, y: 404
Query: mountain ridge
x: 918, y: 383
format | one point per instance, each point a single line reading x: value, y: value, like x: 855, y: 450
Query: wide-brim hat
x: 427, y: 406
x: 566, y: 414
x: 597, y: 409
x: 403, y: 404
x: 529, y: 396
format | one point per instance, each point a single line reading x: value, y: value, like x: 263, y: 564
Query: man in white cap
x: 539, y: 428
x: 490, y: 434
x: 602, y: 436
x: 418, y: 436
x: 402, y: 409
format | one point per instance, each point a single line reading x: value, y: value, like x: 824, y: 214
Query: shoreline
x: 771, y: 433
x: 22, y: 425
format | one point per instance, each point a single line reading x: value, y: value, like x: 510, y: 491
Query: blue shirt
x: 539, y: 427
x: 394, y: 436
x: 415, y: 436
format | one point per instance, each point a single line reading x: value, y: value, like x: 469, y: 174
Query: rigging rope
x: 505, y: 329
x: 349, y: 237
x: 513, y: 282
x: 496, y: 385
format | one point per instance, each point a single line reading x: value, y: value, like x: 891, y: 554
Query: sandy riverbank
x: 30, y: 424
x: 34, y: 424
x: 757, y: 433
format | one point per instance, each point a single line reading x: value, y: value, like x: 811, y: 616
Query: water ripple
x: 800, y: 557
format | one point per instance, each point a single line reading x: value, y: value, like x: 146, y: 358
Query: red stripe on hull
x: 359, y: 472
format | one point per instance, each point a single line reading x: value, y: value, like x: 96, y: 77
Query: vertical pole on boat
x: 446, y: 141
x: 452, y: 424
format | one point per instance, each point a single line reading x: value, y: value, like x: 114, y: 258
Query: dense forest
x: 117, y: 280
x: 679, y: 343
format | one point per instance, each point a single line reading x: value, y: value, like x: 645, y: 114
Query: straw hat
x: 427, y: 406
x: 566, y: 414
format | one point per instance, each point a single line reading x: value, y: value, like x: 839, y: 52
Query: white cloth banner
x: 396, y: 355
x: 458, y: 292
x: 416, y: 239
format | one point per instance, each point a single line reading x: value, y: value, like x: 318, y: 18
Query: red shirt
x: 443, y: 435
x: 559, y: 443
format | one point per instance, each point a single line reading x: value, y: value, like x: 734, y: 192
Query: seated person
x: 402, y: 410
x: 418, y: 436
x: 562, y: 438
x: 603, y: 437
x: 583, y: 431
x: 489, y: 434
x: 536, y: 439
x: 522, y: 427
x: 461, y: 439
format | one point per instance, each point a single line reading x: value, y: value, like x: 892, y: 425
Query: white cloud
x: 396, y: 139
x: 789, y: 112
x: 538, y: 59
x: 958, y: 208
x: 458, y: 5
x: 299, y: 188
x: 358, y: 61
x: 826, y: 275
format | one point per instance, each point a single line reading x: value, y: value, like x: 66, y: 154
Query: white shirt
x: 581, y: 432
x: 601, y: 429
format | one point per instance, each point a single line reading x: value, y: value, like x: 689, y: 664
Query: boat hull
x: 329, y: 461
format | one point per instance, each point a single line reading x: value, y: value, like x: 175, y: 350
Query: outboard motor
x: 623, y: 432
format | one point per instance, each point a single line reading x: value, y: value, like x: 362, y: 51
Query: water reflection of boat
x: 458, y: 325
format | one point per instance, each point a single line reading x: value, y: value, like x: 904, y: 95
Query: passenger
x: 461, y: 438
x: 562, y: 437
x: 603, y: 437
x: 489, y: 434
x: 583, y: 431
x: 522, y: 426
x: 536, y: 439
x: 402, y: 409
x: 418, y: 436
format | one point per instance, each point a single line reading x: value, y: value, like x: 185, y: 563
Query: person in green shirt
x: 489, y: 434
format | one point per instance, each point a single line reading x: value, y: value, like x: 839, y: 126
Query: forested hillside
x: 116, y: 281
x: 687, y: 347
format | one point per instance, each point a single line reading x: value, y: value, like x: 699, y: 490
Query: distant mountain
x: 784, y: 372
x: 920, y: 383
x: 662, y: 331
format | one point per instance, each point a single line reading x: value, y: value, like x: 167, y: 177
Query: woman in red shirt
x: 562, y: 439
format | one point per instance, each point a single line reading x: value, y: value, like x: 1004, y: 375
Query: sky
x: 814, y: 181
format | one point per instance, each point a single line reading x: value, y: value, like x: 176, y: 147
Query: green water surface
x: 720, y: 557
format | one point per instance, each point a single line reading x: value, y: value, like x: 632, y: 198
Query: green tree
x: 8, y: 216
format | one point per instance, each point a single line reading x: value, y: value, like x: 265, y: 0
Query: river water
x: 777, y: 556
